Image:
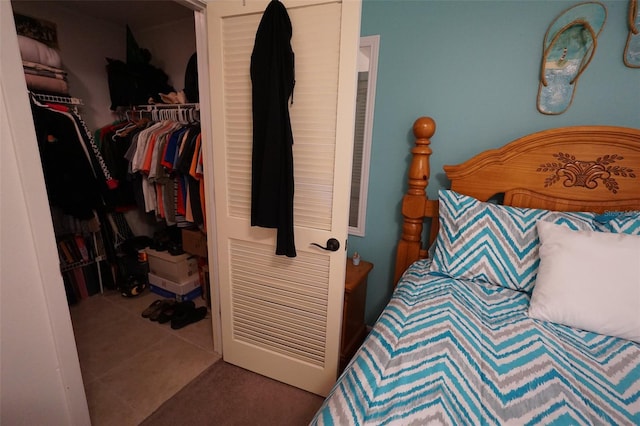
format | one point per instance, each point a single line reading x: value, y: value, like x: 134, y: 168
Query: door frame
x: 45, y: 254
x: 206, y: 126
x: 32, y: 183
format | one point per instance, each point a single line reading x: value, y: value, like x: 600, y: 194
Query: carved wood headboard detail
x: 581, y: 168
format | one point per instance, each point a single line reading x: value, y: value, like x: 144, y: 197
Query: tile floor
x: 131, y: 365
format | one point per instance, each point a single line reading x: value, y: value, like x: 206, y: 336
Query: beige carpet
x: 228, y: 395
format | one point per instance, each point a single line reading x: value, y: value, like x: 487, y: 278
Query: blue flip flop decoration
x: 632, y: 48
x: 568, y: 48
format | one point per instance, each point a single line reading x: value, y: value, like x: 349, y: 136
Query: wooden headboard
x: 581, y: 168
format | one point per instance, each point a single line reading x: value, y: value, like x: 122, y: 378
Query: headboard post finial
x: 415, y: 200
x: 423, y: 130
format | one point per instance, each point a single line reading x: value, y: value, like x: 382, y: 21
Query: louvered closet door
x: 281, y: 316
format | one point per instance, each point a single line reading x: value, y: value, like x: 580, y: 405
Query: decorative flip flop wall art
x: 569, y: 46
x: 632, y: 48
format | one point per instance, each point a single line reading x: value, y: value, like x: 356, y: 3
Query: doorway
x: 56, y: 307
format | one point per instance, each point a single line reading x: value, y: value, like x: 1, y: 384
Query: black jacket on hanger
x: 272, y: 77
x: 70, y: 182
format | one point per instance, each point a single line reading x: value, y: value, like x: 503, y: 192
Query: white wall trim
x: 196, y: 5
x: 206, y: 127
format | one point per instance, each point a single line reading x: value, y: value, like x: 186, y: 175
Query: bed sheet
x: 448, y: 351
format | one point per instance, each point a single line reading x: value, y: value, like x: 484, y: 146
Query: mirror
x: 365, y: 99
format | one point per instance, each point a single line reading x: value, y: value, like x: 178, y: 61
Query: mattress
x: 447, y: 351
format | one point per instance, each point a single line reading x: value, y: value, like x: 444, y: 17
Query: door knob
x: 332, y: 245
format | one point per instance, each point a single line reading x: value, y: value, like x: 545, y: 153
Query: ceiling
x: 138, y: 14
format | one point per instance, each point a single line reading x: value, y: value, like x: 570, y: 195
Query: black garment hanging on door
x: 272, y: 77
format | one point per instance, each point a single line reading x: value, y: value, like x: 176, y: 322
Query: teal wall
x: 473, y: 66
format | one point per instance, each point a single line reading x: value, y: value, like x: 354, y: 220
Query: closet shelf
x: 71, y: 266
x: 58, y: 99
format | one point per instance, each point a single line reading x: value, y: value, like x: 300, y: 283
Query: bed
x: 523, y: 304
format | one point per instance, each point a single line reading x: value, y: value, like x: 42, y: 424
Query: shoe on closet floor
x: 163, y: 311
x: 186, y: 314
x: 154, y: 306
x: 176, y: 308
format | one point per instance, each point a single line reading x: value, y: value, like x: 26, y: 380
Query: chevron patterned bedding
x: 447, y: 351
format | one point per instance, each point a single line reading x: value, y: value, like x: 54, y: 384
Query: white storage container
x: 174, y: 287
x: 180, y: 269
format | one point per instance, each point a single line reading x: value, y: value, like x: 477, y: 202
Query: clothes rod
x: 168, y: 106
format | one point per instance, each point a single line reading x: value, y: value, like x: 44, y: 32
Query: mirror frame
x: 373, y: 44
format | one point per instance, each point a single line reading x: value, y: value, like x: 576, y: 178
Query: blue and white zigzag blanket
x: 448, y: 351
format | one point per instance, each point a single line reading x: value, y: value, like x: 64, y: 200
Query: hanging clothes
x: 115, y: 140
x: 158, y: 158
x: 74, y: 178
x: 273, y: 79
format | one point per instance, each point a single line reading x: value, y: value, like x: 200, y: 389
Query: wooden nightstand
x: 354, y: 329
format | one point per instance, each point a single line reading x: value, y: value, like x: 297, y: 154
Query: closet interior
x: 114, y: 95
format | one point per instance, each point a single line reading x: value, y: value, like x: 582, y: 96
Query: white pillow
x: 588, y: 280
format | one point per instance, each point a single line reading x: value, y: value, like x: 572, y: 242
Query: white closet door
x: 281, y: 316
